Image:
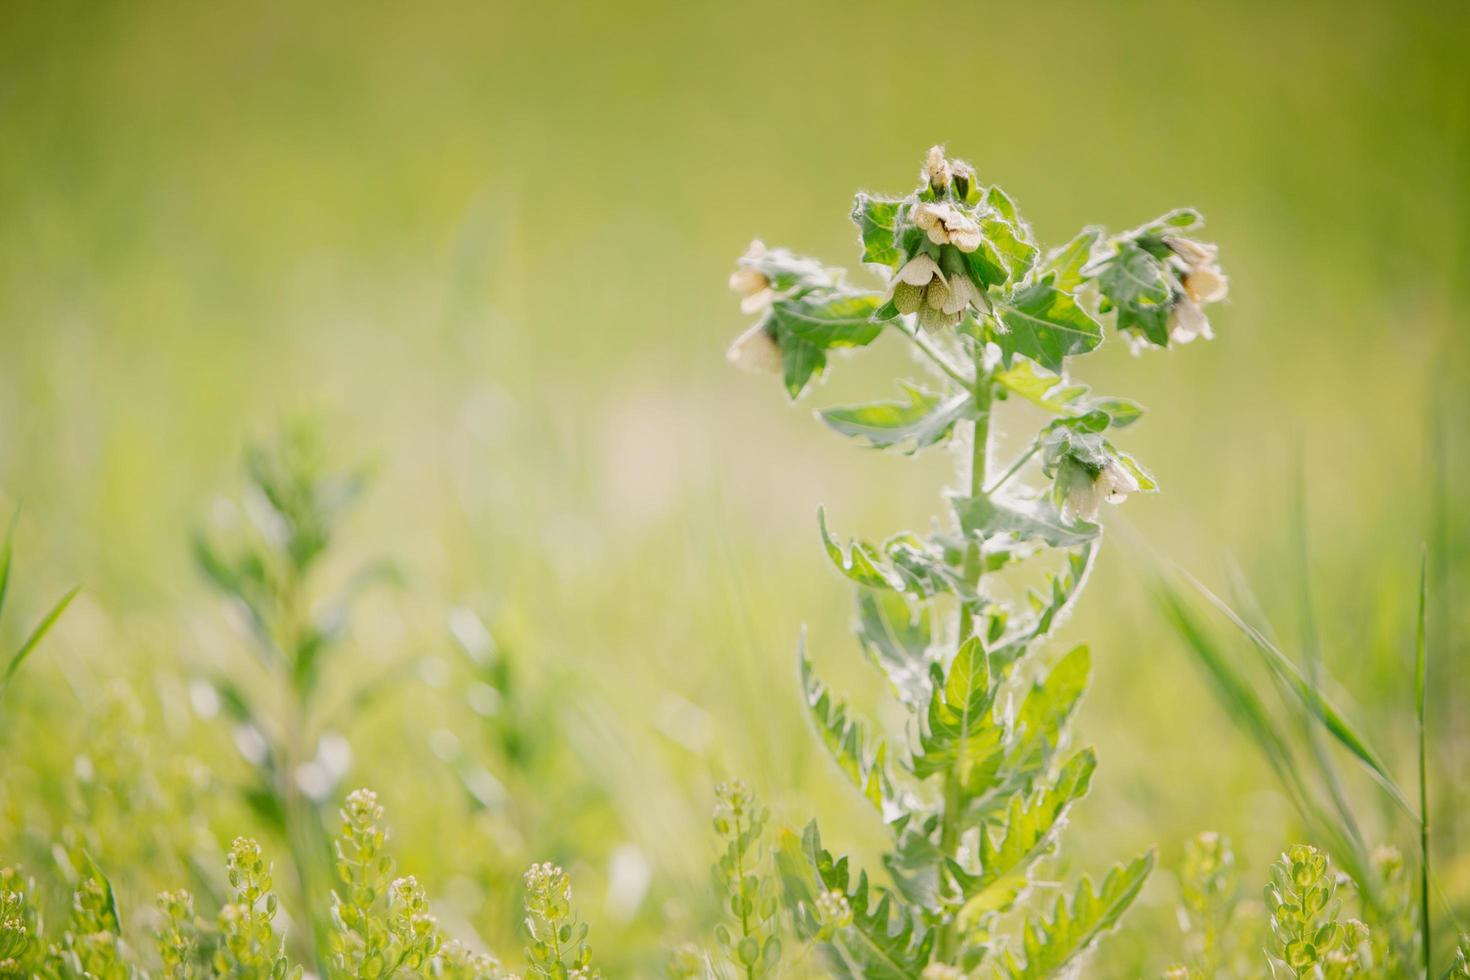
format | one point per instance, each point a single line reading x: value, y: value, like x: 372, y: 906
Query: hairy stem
x: 950, y: 828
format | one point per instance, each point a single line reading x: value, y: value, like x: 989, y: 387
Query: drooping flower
x: 921, y: 287
x: 756, y: 350
x: 753, y: 286
x: 1201, y: 281
x: 946, y: 224
x: 1113, y: 483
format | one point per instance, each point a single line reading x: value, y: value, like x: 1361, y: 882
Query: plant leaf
x: 1046, y: 325
x: 42, y: 628
x: 862, y: 760
x: 1048, y: 944
x: 897, y: 640
x: 1024, y: 521
x: 921, y: 421
x: 877, y: 219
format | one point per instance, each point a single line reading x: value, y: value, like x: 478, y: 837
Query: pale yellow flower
x: 1202, y: 281
x: 1113, y: 484
x: 946, y: 224
x: 921, y: 287
x: 752, y: 285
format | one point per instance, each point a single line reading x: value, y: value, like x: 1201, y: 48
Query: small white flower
x: 946, y: 224
x: 1202, y: 283
x: 756, y: 350
x: 1205, y: 283
x: 1113, y: 483
x: 752, y: 285
x: 962, y: 293
x: 936, y: 168
x: 1188, y: 322
x: 919, y: 270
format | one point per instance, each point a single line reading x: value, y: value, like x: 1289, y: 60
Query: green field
x: 482, y: 251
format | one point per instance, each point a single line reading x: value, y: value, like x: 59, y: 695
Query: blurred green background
x: 486, y: 246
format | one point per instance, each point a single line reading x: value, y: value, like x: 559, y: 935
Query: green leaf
x: 1047, y: 605
x: 885, y: 940
x: 861, y: 562
x: 1065, y: 264
x: 808, y: 326
x: 1045, y: 325
x: 1047, y: 706
x: 1008, y: 235
x: 1170, y: 223
x: 829, y: 320
x: 1055, y: 393
x: 1024, y: 520
x: 42, y: 628
x: 1049, y: 944
x: 897, y: 640
x: 960, y: 733
x: 862, y: 760
x: 906, y: 564
x: 921, y: 421
x: 877, y: 219
x: 1138, y: 286
x: 1022, y: 835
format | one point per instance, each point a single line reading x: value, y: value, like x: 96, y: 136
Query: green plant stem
x: 1419, y: 664
x: 949, y: 833
x: 1013, y: 469
x: 942, y: 362
x: 740, y: 892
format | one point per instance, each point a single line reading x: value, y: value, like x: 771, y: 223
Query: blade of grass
x: 5, y: 552
x: 1311, y: 649
x: 1329, y: 716
x: 42, y: 628
x: 1249, y: 712
x: 1419, y: 663
x: 1237, y: 694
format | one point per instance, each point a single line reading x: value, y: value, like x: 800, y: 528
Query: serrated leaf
x: 917, y: 423
x: 905, y: 564
x: 877, y: 219
x: 1048, y: 704
x: 1055, y: 393
x: 1024, y: 520
x: 1050, y: 943
x: 807, y: 326
x: 863, y: 760
x: 961, y: 734
x: 1065, y: 264
x: 896, y: 638
x: 1020, y: 836
x: 860, y: 562
x: 1137, y: 285
x: 1047, y: 606
x: 828, y: 320
x: 1011, y: 242
x: 1046, y: 325
x: 885, y: 940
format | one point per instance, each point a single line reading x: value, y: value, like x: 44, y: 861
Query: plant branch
x: 942, y: 362
x: 1014, y: 468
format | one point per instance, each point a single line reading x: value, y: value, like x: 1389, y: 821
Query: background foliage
x: 487, y: 248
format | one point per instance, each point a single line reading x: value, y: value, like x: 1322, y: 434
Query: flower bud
x: 936, y: 169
